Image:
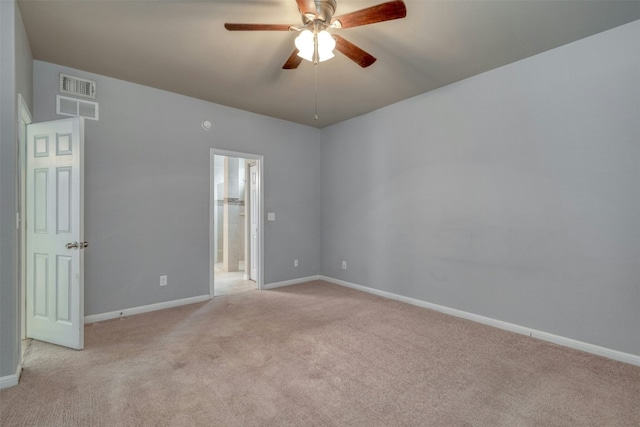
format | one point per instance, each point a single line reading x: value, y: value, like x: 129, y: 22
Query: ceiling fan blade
x: 257, y: 27
x: 371, y: 15
x: 353, y: 52
x: 293, y: 61
x: 306, y: 6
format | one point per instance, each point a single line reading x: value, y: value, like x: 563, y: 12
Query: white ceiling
x: 182, y: 47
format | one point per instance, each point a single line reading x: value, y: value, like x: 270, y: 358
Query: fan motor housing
x: 324, y: 10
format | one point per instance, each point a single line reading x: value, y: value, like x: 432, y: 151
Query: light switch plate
x: 271, y: 216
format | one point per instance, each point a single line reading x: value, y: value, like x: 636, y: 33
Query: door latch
x: 76, y: 245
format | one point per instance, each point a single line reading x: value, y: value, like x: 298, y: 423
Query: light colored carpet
x: 315, y: 354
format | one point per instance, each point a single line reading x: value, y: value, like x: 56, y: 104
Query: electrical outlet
x: 344, y: 265
x: 295, y: 262
x: 163, y: 280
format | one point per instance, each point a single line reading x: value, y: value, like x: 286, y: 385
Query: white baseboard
x: 11, y: 380
x: 144, y: 309
x: 545, y: 336
x: 291, y: 282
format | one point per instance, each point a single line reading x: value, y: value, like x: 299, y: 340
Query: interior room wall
x: 16, y: 62
x: 147, y: 189
x: 8, y: 288
x: 24, y: 63
x: 513, y: 195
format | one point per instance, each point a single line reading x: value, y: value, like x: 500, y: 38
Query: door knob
x: 84, y: 245
x: 73, y: 245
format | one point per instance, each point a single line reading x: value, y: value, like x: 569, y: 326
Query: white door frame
x: 24, y: 119
x: 250, y: 270
x: 260, y: 164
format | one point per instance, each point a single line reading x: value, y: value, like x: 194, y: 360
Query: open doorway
x: 236, y: 226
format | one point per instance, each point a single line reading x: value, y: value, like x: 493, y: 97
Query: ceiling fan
x: 315, y: 43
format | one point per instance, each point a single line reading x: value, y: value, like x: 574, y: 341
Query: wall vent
x: 66, y: 106
x: 77, y: 86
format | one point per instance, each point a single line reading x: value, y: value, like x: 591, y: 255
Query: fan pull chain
x: 316, y: 90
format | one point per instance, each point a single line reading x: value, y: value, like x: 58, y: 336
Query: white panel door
x: 55, y: 235
x: 255, y: 215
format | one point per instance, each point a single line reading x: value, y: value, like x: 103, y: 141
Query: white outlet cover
x: 271, y: 216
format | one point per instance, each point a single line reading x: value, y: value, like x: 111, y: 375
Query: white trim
x: 11, y: 380
x: 144, y: 309
x: 291, y: 282
x: 24, y: 119
x: 23, y: 110
x: 260, y: 164
x: 620, y: 356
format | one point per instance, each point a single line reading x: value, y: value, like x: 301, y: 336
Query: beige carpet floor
x: 315, y: 354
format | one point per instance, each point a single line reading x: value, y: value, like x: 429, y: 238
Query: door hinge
x: 17, y: 220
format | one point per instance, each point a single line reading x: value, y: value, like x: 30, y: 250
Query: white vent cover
x: 77, y: 86
x: 66, y: 106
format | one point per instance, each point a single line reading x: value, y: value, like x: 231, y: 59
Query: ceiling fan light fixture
x: 315, y: 44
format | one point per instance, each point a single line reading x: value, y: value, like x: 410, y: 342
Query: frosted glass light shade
x: 305, y: 45
x: 326, y: 44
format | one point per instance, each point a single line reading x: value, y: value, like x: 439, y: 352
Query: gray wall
x: 147, y: 190
x: 514, y: 194
x: 9, y: 343
x: 16, y: 76
x: 24, y: 63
